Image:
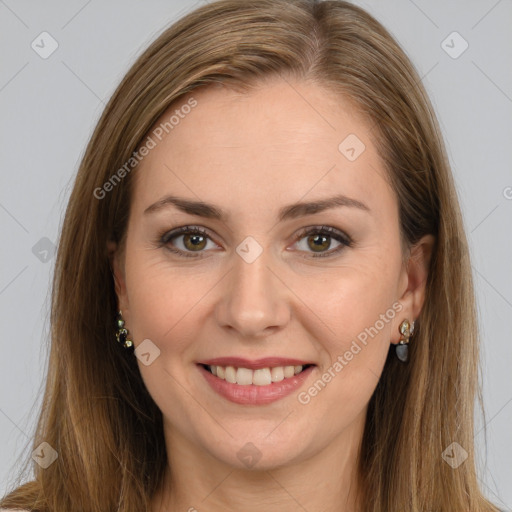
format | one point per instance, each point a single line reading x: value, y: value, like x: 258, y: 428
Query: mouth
x: 258, y: 386
x: 257, y: 377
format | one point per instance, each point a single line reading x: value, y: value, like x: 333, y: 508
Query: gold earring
x: 122, y: 333
x: 406, y: 330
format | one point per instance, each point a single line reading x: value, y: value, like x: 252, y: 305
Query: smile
x: 255, y: 387
x: 260, y: 377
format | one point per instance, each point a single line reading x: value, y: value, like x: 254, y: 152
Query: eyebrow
x: 292, y: 211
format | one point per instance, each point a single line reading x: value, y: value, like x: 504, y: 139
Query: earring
x: 402, y: 350
x: 122, y: 333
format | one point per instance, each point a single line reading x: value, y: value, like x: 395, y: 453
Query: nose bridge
x: 253, y: 299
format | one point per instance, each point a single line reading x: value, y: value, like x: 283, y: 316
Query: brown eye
x: 318, y: 242
x: 186, y: 240
x: 194, y: 242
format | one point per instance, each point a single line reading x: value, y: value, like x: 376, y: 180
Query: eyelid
x: 332, y: 232
x: 169, y: 234
x: 166, y: 236
x: 340, y: 236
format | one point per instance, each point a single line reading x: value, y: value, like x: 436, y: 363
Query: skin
x: 251, y: 154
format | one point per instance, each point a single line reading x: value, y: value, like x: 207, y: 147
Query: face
x: 255, y: 276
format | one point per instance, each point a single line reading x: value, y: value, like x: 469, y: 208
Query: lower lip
x: 255, y: 395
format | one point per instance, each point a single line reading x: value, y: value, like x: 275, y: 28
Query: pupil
x: 194, y: 240
x: 318, y: 244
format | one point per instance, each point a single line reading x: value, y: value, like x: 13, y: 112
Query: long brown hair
x: 96, y: 412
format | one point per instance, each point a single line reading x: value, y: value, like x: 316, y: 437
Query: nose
x: 255, y: 300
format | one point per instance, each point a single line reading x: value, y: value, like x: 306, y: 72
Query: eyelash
x: 166, y: 236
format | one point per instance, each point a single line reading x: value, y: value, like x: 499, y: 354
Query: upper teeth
x: 260, y: 377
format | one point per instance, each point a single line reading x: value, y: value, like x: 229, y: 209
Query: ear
x: 414, y: 281
x: 116, y: 260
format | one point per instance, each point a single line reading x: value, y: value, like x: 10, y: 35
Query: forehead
x: 281, y: 138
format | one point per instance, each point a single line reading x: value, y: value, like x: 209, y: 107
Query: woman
x: 262, y: 295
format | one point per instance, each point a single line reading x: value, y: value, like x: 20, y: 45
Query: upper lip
x: 265, y: 362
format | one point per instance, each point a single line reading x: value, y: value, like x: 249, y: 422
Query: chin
x: 259, y: 452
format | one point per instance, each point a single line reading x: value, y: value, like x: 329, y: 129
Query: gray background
x: 50, y: 106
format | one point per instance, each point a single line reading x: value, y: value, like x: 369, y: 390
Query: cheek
x: 162, y: 298
x: 164, y: 304
x: 350, y: 299
x: 360, y: 316
x: 357, y: 306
